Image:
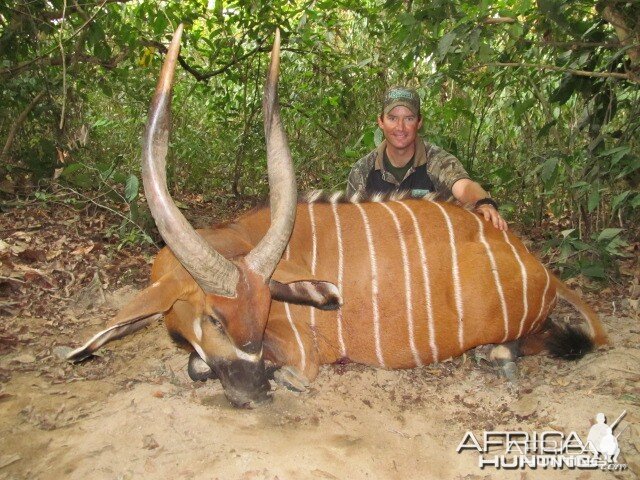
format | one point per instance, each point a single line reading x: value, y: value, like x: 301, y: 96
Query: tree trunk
x: 627, y: 36
x: 18, y: 123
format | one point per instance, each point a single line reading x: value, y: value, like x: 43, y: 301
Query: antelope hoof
x: 291, y: 378
x: 503, y: 356
x: 198, y: 369
x: 510, y: 371
x: 482, y: 353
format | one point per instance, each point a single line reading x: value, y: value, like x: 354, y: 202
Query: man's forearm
x: 468, y: 192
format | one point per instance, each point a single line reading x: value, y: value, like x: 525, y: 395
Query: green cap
x: 406, y: 97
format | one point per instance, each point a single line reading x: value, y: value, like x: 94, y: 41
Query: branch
x: 579, y: 73
x: 64, y: 65
x: 498, y: 20
x: 18, y: 123
x: 625, y: 33
x: 204, y: 76
x: 109, y: 64
x: 57, y: 14
x: 109, y: 209
x: 24, y: 65
x: 305, y: 114
x: 82, y: 38
x: 575, y: 45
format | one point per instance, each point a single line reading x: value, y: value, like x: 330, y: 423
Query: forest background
x: 540, y: 100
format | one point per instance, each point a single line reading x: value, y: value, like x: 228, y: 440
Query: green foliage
x: 594, y: 258
x: 126, y: 235
x: 498, y: 82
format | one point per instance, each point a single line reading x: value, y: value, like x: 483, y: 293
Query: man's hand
x: 469, y: 192
x: 491, y: 214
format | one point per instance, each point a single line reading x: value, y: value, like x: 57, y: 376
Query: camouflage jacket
x: 443, y: 169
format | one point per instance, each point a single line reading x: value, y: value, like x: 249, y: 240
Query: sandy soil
x: 134, y: 413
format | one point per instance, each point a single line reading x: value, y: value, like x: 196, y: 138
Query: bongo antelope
x: 393, y: 283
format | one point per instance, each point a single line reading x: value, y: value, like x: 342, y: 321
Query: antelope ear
x: 315, y: 293
x: 114, y: 332
x: 145, y: 308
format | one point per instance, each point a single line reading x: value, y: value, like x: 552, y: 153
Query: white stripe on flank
x: 457, y: 290
x: 343, y: 348
x: 374, y: 285
x: 425, y: 280
x: 523, y: 271
x: 544, y: 294
x: 496, y: 276
x: 286, y: 252
x: 407, y: 285
x: 314, y: 258
x: 313, y: 196
x: 303, y: 354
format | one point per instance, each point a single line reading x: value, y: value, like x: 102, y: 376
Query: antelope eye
x: 216, y: 323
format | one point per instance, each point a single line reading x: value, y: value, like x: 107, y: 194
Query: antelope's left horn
x: 282, y: 181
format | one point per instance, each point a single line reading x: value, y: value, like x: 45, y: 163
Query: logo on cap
x: 396, y: 94
x: 405, y: 97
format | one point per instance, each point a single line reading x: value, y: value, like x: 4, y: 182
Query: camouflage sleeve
x: 444, y: 170
x: 357, y: 181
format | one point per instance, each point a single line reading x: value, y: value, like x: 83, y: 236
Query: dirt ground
x: 133, y: 413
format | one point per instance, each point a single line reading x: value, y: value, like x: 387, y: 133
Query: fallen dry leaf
x: 149, y: 443
x: 53, y: 254
x: 83, y: 250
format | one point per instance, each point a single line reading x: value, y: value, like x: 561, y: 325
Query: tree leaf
x: 618, y: 199
x: 593, y: 270
x: 564, y: 91
x: 611, y: 151
x: 594, y: 199
x: 548, y: 169
x: 378, y: 136
x: 445, y: 43
x: 368, y: 139
x: 407, y: 19
x: 580, y: 184
x: 608, y: 234
x: 544, y: 131
x: 132, y: 188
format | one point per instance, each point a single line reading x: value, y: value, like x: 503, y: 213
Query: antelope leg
x: 291, y: 378
x: 502, y: 357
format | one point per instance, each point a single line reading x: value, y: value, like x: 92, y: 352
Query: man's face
x: 400, y: 126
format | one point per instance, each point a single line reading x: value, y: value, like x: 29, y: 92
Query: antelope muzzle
x: 245, y: 383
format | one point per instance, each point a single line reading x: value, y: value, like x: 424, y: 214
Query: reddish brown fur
x: 245, y: 316
x: 483, y: 315
x: 483, y: 326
